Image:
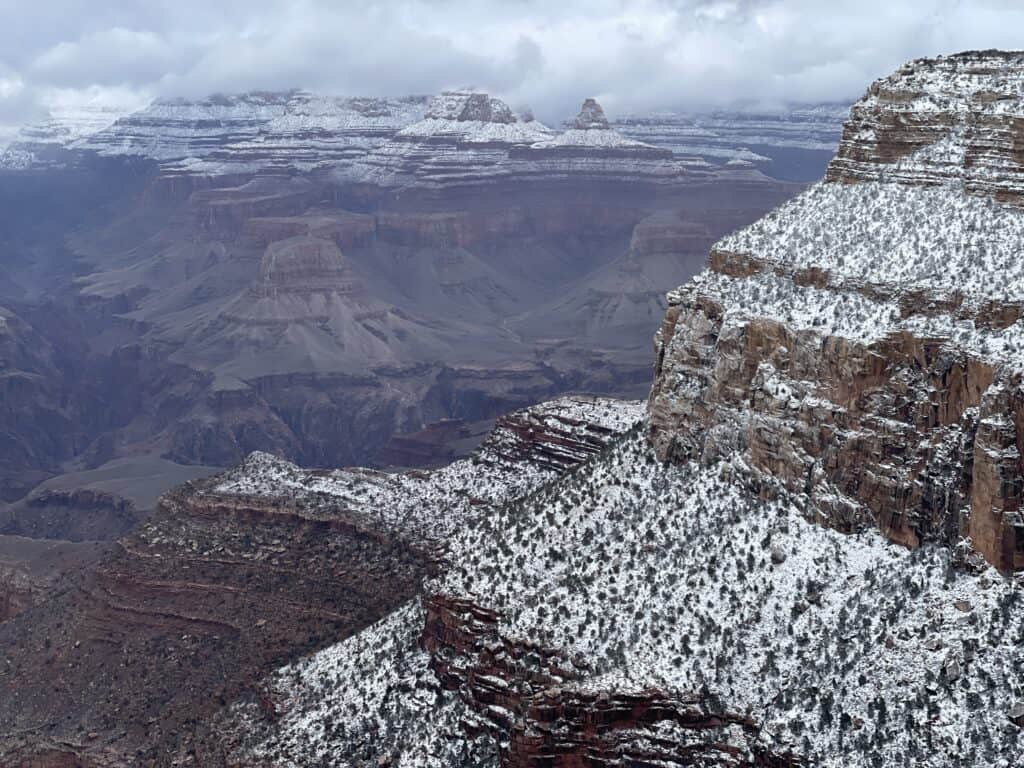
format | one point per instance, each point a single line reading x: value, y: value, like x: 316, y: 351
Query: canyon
x: 317, y: 276
x: 802, y: 549
x: 804, y: 554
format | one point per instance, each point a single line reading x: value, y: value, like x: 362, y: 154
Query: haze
x: 633, y: 56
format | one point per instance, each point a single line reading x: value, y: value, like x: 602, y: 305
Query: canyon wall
x: 856, y: 360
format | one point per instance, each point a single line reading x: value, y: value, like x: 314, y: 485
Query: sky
x: 636, y: 56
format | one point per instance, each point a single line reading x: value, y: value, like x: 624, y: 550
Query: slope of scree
x: 740, y: 630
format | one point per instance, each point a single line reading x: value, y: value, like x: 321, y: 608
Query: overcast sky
x: 633, y: 56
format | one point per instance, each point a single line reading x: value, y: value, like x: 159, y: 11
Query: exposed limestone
x: 525, y: 696
x: 934, y: 120
x: 858, y: 389
x: 591, y: 116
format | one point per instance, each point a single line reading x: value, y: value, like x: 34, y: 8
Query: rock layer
x: 868, y: 384
x: 524, y: 696
x: 956, y: 118
x: 185, y: 615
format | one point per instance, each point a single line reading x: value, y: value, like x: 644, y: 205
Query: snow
x: 428, y: 507
x: 476, y: 131
x: 848, y: 649
x: 16, y: 159
x: 455, y: 138
x: 225, y: 131
x: 695, y: 599
x: 980, y: 82
x: 598, y: 138
x: 935, y: 239
x: 878, y: 244
x: 66, y: 125
x: 365, y: 698
x: 372, y: 694
x: 848, y: 315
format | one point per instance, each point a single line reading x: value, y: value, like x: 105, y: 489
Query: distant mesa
x: 591, y: 133
x: 591, y: 116
x: 471, y: 118
x: 305, y: 264
x: 465, y: 106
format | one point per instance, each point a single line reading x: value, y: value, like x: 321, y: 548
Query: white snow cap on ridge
x: 469, y: 105
x: 474, y: 117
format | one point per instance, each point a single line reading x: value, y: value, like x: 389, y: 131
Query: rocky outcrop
x: 952, y: 118
x: 591, y: 117
x: 530, y: 699
x: 837, y: 364
x: 185, y: 615
x: 553, y: 435
x: 590, y: 132
x: 79, y: 514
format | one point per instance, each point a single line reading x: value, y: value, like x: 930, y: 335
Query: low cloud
x: 636, y: 56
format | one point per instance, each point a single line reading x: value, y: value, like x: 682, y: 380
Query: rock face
x: 840, y: 358
x: 592, y: 131
x: 236, y: 575
x: 794, y: 144
x: 522, y: 694
x: 591, y: 117
x: 935, y: 121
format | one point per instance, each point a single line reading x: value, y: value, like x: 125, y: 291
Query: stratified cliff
x: 861, y: 345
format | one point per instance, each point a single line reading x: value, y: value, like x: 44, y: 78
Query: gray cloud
x: 639, y: 55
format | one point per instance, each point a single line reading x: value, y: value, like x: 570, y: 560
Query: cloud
x: 116, y: 56
x: 636, y: 55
